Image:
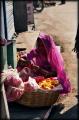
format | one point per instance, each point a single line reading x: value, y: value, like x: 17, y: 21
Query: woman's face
x: 41, y: 46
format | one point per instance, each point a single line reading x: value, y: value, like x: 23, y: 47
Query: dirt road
x: 59, y: 21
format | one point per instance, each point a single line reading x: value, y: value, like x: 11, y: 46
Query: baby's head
x: 24, y: 74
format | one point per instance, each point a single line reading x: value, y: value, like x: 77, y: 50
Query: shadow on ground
x: 68, y: 115
x: 18, y: 111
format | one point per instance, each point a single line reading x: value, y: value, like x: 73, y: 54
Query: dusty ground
x: 60, y: 21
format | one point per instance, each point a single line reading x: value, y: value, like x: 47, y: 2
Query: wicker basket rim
x: 45, y: 91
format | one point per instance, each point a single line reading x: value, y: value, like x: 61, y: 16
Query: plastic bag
x: 31, y: 85
x: 14, y: 86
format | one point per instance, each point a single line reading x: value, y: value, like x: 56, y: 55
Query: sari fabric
x: 53, y: 61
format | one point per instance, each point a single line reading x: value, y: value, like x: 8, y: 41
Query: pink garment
x: 52, y: 62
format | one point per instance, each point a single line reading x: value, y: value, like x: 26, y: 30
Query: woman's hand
x: 40, y: 71
x: 23, y: 63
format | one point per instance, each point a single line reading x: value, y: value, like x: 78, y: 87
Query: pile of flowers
x: 48, y: 83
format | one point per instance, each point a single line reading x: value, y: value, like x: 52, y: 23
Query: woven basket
x: 39, y: 98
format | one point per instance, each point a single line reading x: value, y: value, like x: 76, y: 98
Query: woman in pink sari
x: 47, y: 57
